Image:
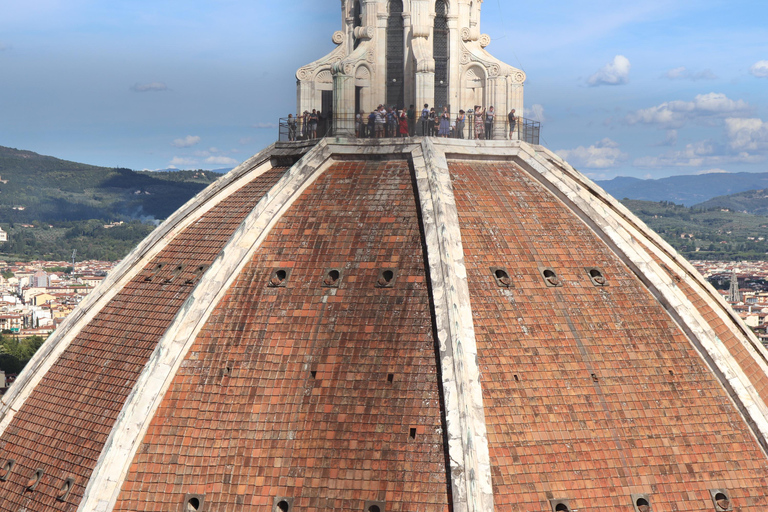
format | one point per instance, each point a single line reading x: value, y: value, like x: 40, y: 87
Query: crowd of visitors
x: 307, y: 125
x: 388, y: 122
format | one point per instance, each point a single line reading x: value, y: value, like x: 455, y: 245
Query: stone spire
x: 734, y: 295
x: 409, y: 52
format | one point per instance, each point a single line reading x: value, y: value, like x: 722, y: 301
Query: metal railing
x: 389, y: 126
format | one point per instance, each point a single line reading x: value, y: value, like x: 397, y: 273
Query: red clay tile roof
x: 331, y: 396
x: 286, y: 391
x: 63, y: 425
x: 591, y: 393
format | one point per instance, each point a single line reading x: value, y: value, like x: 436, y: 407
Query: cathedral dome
x: 395, y: 325
x: 422, y: 324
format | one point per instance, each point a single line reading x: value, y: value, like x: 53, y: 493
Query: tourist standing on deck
x: 490, y: 116
x: 512, y: 122
x: 479, y: 112
x: 425, y: 120
x: 291, y: 128
x: 445, y: 123
x: 404, y: 124
x: 313, y: 119
x: 460, y: 121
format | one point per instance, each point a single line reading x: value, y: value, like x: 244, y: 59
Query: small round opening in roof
x: 562, y: 507
x: 502, y: 277
x: 278, y: 277
x: 193, y: 504
x: 551, y: 278
x: 723, y: 503
x: 283, y: 506
x: 332, y: 277
x: 374, y: 508
x: 597, y: 276
x: 643, y: 505
x: 386, y: 278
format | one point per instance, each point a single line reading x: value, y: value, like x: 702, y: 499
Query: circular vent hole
x: 597, y: 276
x: 283, y: 505
x: 36, y: 476
x: 193, y: 504
x: 643, y: 505
x: 562, y: 507
x: 551, y: 277
x: 386, y: 277
x: 278, y: 277
x: 503, y: 277
x: 332, y: 277
x: 722, y: 501
x: 374, y: 508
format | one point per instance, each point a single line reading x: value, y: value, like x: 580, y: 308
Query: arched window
x: 395, y: 55
x: 357, y: 16
x: 440, y: 52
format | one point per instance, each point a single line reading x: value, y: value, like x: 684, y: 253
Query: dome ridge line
x: 624, y: 236
x: 121, y: 275
x: 114, y: 462
x: 465, y: 418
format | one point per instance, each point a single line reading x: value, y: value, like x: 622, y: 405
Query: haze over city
x: 652, y: 89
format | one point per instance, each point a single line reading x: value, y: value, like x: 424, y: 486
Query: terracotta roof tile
x: 578, y: 396
x: 267, y: 427
x: 66, y: 420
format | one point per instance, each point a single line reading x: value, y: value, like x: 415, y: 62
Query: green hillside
x: 699, y: 233
x: 751, y: 201
x: 50, y: 206
x: 43, y: 188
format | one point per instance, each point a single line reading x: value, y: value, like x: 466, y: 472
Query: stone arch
x: 363, y: 94
x: 474, y: 86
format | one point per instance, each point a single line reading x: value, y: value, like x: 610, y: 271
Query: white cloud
x: 713, y: 171
x: 747, y: 134
x: 535, y: 112
x: 150, y: 87
x: 613, y: 73
x: 601, y: 155
x: 693, y: 155
x: 221, y: 160
x: 670, y: 139
x: 683, y: 73
x: 699, y: 154
x: 675, y: 114
x: 186, y: 142
x: 760, y: 69
x: 182, y: 162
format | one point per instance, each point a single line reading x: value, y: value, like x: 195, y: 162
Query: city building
x: 393, y: 325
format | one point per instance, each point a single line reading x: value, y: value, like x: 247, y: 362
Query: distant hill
x: 706, y: 233
x: 50, y: 206
x: 751, y: 201
x: 47, y: 189
x: 687, y: 190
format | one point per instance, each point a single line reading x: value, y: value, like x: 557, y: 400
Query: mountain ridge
x: 688, y: 190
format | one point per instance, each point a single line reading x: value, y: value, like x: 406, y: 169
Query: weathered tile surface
x: 591, y: 393
x: 287, y: 392
x: 62, y: 427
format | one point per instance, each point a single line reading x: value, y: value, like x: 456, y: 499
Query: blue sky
x: 650, y: 89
